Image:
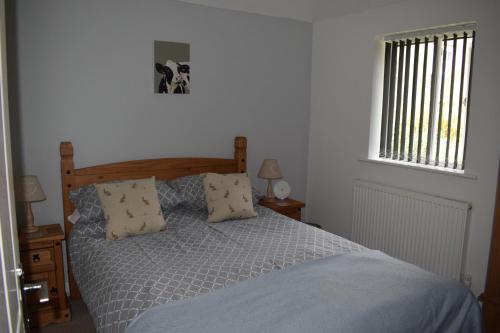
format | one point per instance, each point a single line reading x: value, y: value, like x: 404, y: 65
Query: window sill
x: 427, y: 168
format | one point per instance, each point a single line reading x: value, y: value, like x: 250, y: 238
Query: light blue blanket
x: 359, y: 292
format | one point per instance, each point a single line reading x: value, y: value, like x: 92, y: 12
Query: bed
x: 267, y: 273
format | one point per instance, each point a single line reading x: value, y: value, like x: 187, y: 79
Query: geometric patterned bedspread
x: 120, y: 279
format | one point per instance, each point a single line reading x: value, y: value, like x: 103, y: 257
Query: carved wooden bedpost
x: 67, y: 181
x: 240, y: 153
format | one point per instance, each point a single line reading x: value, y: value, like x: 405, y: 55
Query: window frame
x: 382, y: 151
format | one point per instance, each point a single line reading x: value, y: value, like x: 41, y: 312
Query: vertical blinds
x: 425, y: 104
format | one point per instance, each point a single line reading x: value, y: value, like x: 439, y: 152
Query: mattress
x: 118, y: 280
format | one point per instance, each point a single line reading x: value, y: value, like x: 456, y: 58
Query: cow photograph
x: 171, y: 68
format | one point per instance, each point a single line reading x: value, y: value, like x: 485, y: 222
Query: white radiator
x: 422, y: 229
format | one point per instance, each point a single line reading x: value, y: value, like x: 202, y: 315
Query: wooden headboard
x: 163, y: 168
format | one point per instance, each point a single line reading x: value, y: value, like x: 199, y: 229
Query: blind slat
x: 390, y: 116
x: 460, y: 99
x: 385, y: 106
x: 432, y: 104
x: 452, y: 89
x: 468, y: 96
x: 422, y: 101
x: 441, y: 101
x: 405, y: 101
x: 397, y: 122
x: 413, y: 99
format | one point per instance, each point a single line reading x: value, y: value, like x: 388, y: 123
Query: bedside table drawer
x: 293, y: 213
x: 40, y: 260
x: 288, y: 207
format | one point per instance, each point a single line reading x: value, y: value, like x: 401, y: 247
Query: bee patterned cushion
x: 131, y: 208
x: 228, y: 196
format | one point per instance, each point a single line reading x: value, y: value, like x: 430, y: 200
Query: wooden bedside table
x: 288, y: 207
x: 42, y: 260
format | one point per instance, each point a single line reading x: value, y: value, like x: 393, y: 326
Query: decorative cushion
x: 168, y: 196
x: 256, y: 196
x: 91, y: 229
x: 192, y: 191
x: 88, y: 204
x: 131, y: 208
x: 228, y: 196
x: 86, y: 201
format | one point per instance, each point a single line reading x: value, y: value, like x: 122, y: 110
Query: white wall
x: 343, y: 67
x: 85, y: 74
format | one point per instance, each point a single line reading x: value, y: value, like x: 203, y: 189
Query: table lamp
x: 29, y: 191
x: 270, y: 170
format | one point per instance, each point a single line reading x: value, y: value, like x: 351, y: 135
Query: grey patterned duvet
x: 121, y: 279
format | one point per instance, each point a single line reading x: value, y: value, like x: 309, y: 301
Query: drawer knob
x: 35, y: 257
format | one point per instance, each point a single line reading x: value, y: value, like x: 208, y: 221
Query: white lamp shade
x: 29, y: 189
x: 270, y: 169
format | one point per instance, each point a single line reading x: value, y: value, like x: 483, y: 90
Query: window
x: 425, y: 103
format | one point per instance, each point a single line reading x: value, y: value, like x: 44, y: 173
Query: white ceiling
x: 332, y: 8
x: 305, y: 10
x: 295, y: 9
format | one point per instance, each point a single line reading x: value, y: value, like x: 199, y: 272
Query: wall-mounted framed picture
x: 172, y: 67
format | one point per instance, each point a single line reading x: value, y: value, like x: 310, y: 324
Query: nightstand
x: 288, y: 207
x: 42, y: 260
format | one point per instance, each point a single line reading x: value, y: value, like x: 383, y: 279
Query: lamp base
x: 29, y: 229
x: 270, y: 193
x: 269, y: 199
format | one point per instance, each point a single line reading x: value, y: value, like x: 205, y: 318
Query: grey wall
x: 86, y: 72
x: 341, y: 111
